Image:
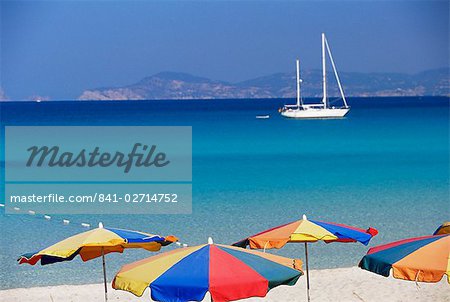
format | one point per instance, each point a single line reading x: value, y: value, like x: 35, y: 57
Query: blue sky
x: 59, y: 48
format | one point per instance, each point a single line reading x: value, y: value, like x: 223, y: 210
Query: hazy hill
x: 172, y: 85
x: 3, y: 96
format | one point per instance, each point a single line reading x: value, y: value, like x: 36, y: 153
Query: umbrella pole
x: 307, y: 271
x: 104, y: 275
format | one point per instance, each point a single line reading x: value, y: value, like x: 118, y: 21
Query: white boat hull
x: 315, y: 113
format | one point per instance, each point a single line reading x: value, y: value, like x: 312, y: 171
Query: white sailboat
x: 322, y: 109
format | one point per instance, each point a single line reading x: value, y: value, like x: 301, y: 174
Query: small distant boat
x: 322, y: 109
x: 263, y: 116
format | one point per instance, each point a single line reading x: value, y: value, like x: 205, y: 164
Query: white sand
x: 345, y: 284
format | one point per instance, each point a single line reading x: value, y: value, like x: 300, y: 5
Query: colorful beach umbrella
x: 423, y: 259
x: 95, y: 243
x: 443, y: 229
x: 305, y: 231
x: 227, y: 272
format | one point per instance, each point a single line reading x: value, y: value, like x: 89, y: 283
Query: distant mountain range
x: 173, y: 85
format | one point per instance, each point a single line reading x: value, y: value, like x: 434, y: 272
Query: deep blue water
x: 386, y: 165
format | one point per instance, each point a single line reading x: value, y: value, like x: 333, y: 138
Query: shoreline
x: 339, y: 284
x: 365, y: 97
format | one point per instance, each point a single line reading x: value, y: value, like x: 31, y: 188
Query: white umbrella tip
x: 210, y: 240
x: 304, y: 217
x: 100, y: 225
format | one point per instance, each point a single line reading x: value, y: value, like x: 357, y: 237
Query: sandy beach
x: 343, y: 284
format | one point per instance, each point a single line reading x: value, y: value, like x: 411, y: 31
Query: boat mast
x: 298, y: 83
x: 336, y: 74
x: 324, y: 73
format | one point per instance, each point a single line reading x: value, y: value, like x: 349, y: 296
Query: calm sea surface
x: 386, y: 165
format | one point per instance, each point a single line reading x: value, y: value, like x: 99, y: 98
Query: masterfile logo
x: 98, y: 153
x: 141, y: 155
x: 99, y: 169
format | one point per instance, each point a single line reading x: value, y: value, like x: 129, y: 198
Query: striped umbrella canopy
x: 443, y: 229
x: 227, y: 272
x: 423, y: 259
x: 305, y: 231
x: 95, y: 243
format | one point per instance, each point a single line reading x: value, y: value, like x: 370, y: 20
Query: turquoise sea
x: 386, y: 165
